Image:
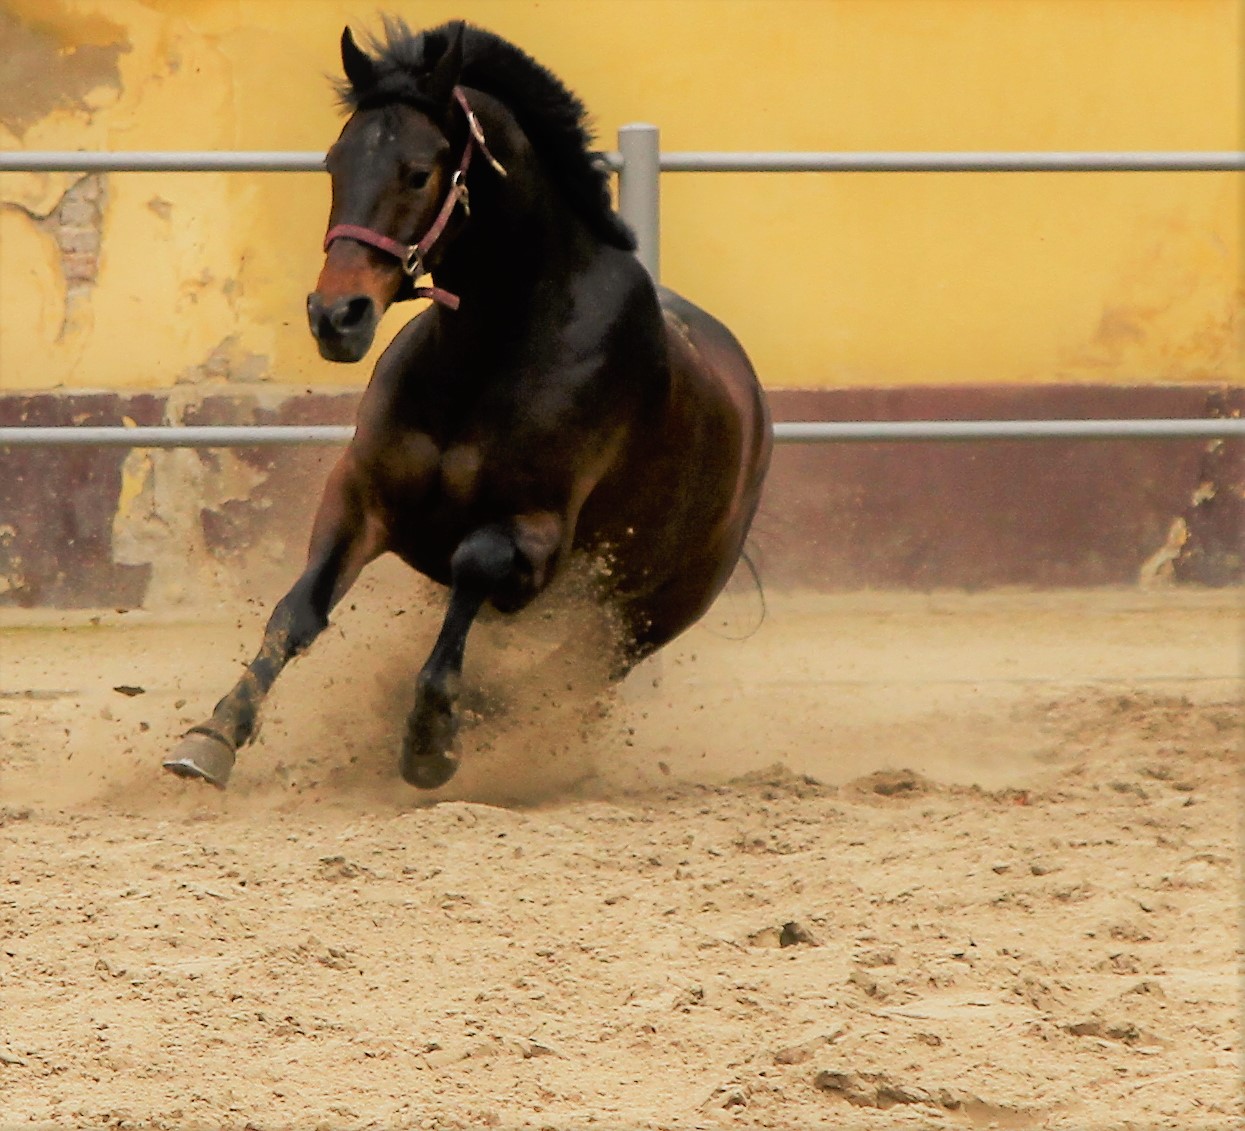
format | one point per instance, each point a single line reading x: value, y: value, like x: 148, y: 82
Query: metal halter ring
x: 458, y: 186
x: 413, y: 262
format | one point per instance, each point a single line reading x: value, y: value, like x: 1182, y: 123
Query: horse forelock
x: 554, y: 119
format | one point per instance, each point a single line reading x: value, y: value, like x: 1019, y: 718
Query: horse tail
x: 754, y: 570
x: 746, y: 558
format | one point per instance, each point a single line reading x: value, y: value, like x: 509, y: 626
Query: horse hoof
x: 202, y: 756
x: 427, y: 761
x: 428, y: 771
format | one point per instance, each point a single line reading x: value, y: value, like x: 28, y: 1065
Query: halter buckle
x: 413, y: 262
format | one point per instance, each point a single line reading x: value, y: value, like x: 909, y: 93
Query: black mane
x: 554, y: 119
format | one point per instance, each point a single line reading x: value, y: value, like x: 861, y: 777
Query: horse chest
x: 418, y: 474
x: 460, y: 470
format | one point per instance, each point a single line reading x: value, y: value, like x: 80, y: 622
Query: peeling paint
x: 136, y: 473
x: 1160, y: 569
x: 1172, y: 310
x: 47, y: 65
x: 1215, y: 551
x: 162, y: 499
x: 160, y: 528
x: 228, y: 361
x: 161, y: 207
x: 12, y: 578
x: 1204, y: 493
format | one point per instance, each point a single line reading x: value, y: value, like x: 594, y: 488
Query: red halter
x: 411, y: 256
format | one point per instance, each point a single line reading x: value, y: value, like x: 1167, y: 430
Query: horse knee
x: 484, y: 559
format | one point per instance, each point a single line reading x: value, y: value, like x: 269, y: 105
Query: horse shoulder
x: 401, y: 457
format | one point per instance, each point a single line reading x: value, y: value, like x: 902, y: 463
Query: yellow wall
x: 828, y: 279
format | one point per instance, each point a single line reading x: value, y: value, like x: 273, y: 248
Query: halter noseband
x: 411, y: 256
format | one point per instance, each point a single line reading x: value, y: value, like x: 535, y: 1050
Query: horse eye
x: 417, y: 179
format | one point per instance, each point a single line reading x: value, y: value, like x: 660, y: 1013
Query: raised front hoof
x: 204, y: 757
x: 428, y: 771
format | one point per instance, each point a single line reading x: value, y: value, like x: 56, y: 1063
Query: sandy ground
x: 885, y: 861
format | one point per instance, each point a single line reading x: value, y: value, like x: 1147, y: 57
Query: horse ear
x: 439, y: 83
x: 359, y: 69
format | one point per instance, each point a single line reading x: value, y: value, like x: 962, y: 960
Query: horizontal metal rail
x: 176, y: 436
x: 295, y: 161
x: 800, y: 432
x: 951, y: 162
x: 821, y: 431
x: 162, y: 161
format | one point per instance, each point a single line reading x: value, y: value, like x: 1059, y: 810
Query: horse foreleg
x: 509, y: 563
x: 483, y: 561
x: 343, y: 541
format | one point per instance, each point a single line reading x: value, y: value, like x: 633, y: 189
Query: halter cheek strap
x: 411, y: 256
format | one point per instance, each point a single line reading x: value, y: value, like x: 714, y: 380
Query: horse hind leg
x: 648, y: 624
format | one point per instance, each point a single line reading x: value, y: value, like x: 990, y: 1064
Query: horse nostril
x: 350, y: 314
x: 317, y: 317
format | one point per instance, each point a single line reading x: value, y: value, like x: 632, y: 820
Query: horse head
x: 394, y: 183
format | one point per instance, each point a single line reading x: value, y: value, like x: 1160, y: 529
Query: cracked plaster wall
x: 174, y: 286
x: 139, y: 281
x: 856, y: 280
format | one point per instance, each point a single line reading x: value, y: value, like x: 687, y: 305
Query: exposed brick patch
x: 77, y: 224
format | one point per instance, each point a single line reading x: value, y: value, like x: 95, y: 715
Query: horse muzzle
x: 343, y: 327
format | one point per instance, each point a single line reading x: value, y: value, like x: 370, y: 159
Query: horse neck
x: 522, y: 240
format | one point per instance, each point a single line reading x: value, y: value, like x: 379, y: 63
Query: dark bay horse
x: 550, y: 401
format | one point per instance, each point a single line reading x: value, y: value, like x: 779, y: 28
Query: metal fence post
x: 639, y: 190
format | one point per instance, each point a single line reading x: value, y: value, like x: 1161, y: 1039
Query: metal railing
x: 671, y: 161
x: 790, y: 432
x: 639, y: 163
